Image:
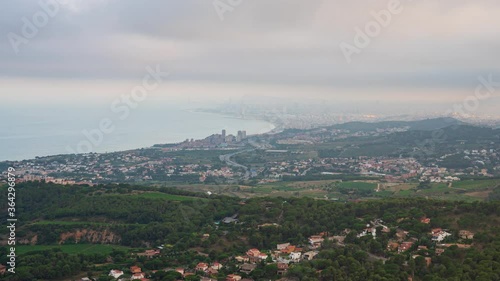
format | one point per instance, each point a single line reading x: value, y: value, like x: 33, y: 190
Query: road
x: 227, y: 158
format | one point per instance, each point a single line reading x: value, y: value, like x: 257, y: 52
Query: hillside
x: 192, y: 230
x: 427, y: 124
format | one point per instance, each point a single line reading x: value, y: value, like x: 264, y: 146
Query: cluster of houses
x: 402, y: 243
x: 93, y: 168
x: 286, y: 253
x: 282, y: 256
x: 135, y: 272
x: 371, y: 229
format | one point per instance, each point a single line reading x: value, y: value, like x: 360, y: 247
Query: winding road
x: 227, y: 158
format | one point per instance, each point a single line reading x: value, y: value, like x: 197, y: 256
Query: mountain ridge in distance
x: 425, y: 124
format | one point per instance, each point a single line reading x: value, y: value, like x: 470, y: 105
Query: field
x: 469, y: 190
x: 73, y: 248
x: 476, y: 184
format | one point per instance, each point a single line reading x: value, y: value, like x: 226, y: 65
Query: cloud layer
x: 431, y: 46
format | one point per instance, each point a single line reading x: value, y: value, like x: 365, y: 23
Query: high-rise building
x: 243, y: 134
x: 224, y: 135
x: 239, y: 137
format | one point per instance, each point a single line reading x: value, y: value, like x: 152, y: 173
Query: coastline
x: 276, y: 126
x: 269, y: 128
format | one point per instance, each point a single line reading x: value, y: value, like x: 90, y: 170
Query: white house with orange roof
x: 115, y: 273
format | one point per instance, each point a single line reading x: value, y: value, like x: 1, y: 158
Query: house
x: 3, y: 269
x: 135, y: 269
x: 309, y: 255
x: 115, y: 273
x: 436, y: 230
x: 149, y: 253
x: 282, y: 246
x: 368, y: 230
x: 233, y: 277
x: 247, y: 268
x: 212, y: 271
x: 338, y: 238
x: 137, y: 276
x: 254, y: 255
x: 242, y: 259
x: 217, y: 266
x: 316, y: 240
x: 253, y: 252
x: 207, y: 279
x: 425, y: 220
x: 405, y: 246
x: 289, y: 249
x: 180, y: 270
x: 401, y: 235
x: 295, y: 256
x: 439, y: 251
x: 201, y: 266
x: 392, y: 246
x: 439, y: 235
x: 465, y: 234
x: 282, y: 268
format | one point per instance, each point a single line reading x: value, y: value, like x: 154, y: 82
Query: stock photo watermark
x: 485, y: 89
x: 223, y: 6
x: 31, y: 26
x: 363, y: 37
x: 121, y: 108
x: 11, y: 219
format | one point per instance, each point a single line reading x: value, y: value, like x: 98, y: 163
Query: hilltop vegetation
x: 145, y: 217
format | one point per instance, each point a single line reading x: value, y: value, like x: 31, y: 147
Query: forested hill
x: 419, y: 125
x: 148, y: 217
x: 427, y: 124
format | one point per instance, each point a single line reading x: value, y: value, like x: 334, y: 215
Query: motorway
x: 227, y: 158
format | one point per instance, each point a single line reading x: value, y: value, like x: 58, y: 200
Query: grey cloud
x: 277, y: 41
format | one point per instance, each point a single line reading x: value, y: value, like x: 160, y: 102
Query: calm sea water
x: 29, y: 132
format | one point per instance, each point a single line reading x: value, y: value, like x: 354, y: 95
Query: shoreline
x: 271, y: 129
x: 276, y: 127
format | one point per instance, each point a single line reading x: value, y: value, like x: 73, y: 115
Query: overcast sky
x: 432, y: 51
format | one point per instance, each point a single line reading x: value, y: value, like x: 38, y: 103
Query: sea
x: 33, y: 131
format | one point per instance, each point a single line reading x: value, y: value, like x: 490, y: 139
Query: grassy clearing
x: 476, y: 184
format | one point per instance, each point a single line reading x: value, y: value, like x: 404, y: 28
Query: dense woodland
x: 179, y: 220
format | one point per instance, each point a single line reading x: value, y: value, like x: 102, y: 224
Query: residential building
x: 115, y: 273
